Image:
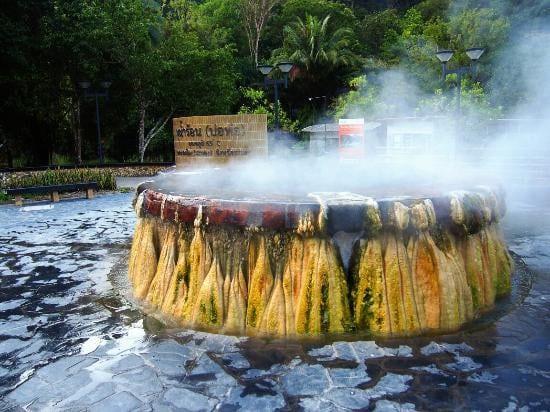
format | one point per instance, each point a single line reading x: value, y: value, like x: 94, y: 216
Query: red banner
x: 351, y: 138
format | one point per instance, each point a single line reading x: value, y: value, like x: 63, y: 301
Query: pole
x: 276, y: 106
x: 325, y: 137
x: 459, y: 90
x: 99, y: 148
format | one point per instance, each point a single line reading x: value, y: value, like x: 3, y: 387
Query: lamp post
x: 444, y: 56
x: 96, y: 94
x: 266, y: 69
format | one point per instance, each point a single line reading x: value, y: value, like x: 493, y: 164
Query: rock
x: 391, y: 406
x: 408, y: 273
x: 398, y: 216
x: 120, y: 402
x: 185, y: 399
x: 348, y: 378
x: 389, y: 384
x: 348, y: 398
x: 250, y: 402
x: 305, y: 380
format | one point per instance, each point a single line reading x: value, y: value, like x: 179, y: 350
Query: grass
x: 105, y: 178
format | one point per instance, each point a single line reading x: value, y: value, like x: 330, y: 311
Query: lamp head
x: 105, y: 84
x: 285, y: 67
x: 84, y: 84
x: 265, y: 69
x: 444, y: 55
x: 475, y: 53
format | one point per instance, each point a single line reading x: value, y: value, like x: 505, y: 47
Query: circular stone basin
x: 242, y: 253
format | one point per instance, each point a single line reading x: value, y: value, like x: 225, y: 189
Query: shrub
x: 105, y: 178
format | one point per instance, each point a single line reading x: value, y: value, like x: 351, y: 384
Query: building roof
x: 333, y: 127
x: 320, y: 128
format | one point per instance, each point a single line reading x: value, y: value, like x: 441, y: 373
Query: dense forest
x: 170, y: 58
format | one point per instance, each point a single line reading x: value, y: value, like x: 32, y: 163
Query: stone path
x: 71, y: 340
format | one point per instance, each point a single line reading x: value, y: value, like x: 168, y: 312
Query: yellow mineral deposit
x: 408, y: 273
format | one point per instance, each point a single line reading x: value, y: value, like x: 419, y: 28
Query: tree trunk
x: 156, y: 129
x: 141, y: 128
x: 255, y: 14
x: 77, y: 133
x: 257, y: 48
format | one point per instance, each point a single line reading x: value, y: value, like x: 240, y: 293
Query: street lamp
x: 266, y: 69
x: 96, y: 94
x: 444, y: 56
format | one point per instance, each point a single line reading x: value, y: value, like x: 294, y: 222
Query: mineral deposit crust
x: 417, y: 265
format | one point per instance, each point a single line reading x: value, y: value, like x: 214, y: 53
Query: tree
x: 316, y: 48
x: 289, y: 10
x: 75, y: 35
x: 255, y: 102
x: 474, y: 102
x: 189, y: 77
x: 377, y: 28
x: 387, y: 94
x: 359, y: 101
x: 255, y: 14
x: 323, y: 55
x: 166, y: 67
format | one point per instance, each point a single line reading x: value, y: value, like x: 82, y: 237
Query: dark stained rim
x: 349, y: 217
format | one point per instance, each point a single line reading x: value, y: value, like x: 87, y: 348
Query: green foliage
x: 255, y: 101
x: 105, y: 178
x: 290, y: 10
x: 325, y: 55
x: 190, y: 57
x: 359, y: 101
x: 474, y: 102
x: 433, y: 9
x: 221, y: 18
x: 158, y: 61
x: 61, y: 159
x: 389, y: 94
x: 373, y: 99
x: 314, y: 47
x: 483, y: 26
x: 378, y: 30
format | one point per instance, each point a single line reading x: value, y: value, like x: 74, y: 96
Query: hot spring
x: 288, y: 249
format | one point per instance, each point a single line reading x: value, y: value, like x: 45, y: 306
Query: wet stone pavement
x: 70, y: 339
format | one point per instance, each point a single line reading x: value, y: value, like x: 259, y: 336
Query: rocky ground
x: 71, y: 339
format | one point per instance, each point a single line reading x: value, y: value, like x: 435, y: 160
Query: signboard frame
x: 219, y: 139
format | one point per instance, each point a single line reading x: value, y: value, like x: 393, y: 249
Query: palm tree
x: 317, y: 49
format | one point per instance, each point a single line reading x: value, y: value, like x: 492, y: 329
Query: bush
x: 105, y: 178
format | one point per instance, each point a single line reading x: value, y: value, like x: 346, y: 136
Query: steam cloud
x: 515, y: 155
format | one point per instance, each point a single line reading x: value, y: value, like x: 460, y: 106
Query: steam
x: 513, y: 152
x: 520, y: 154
